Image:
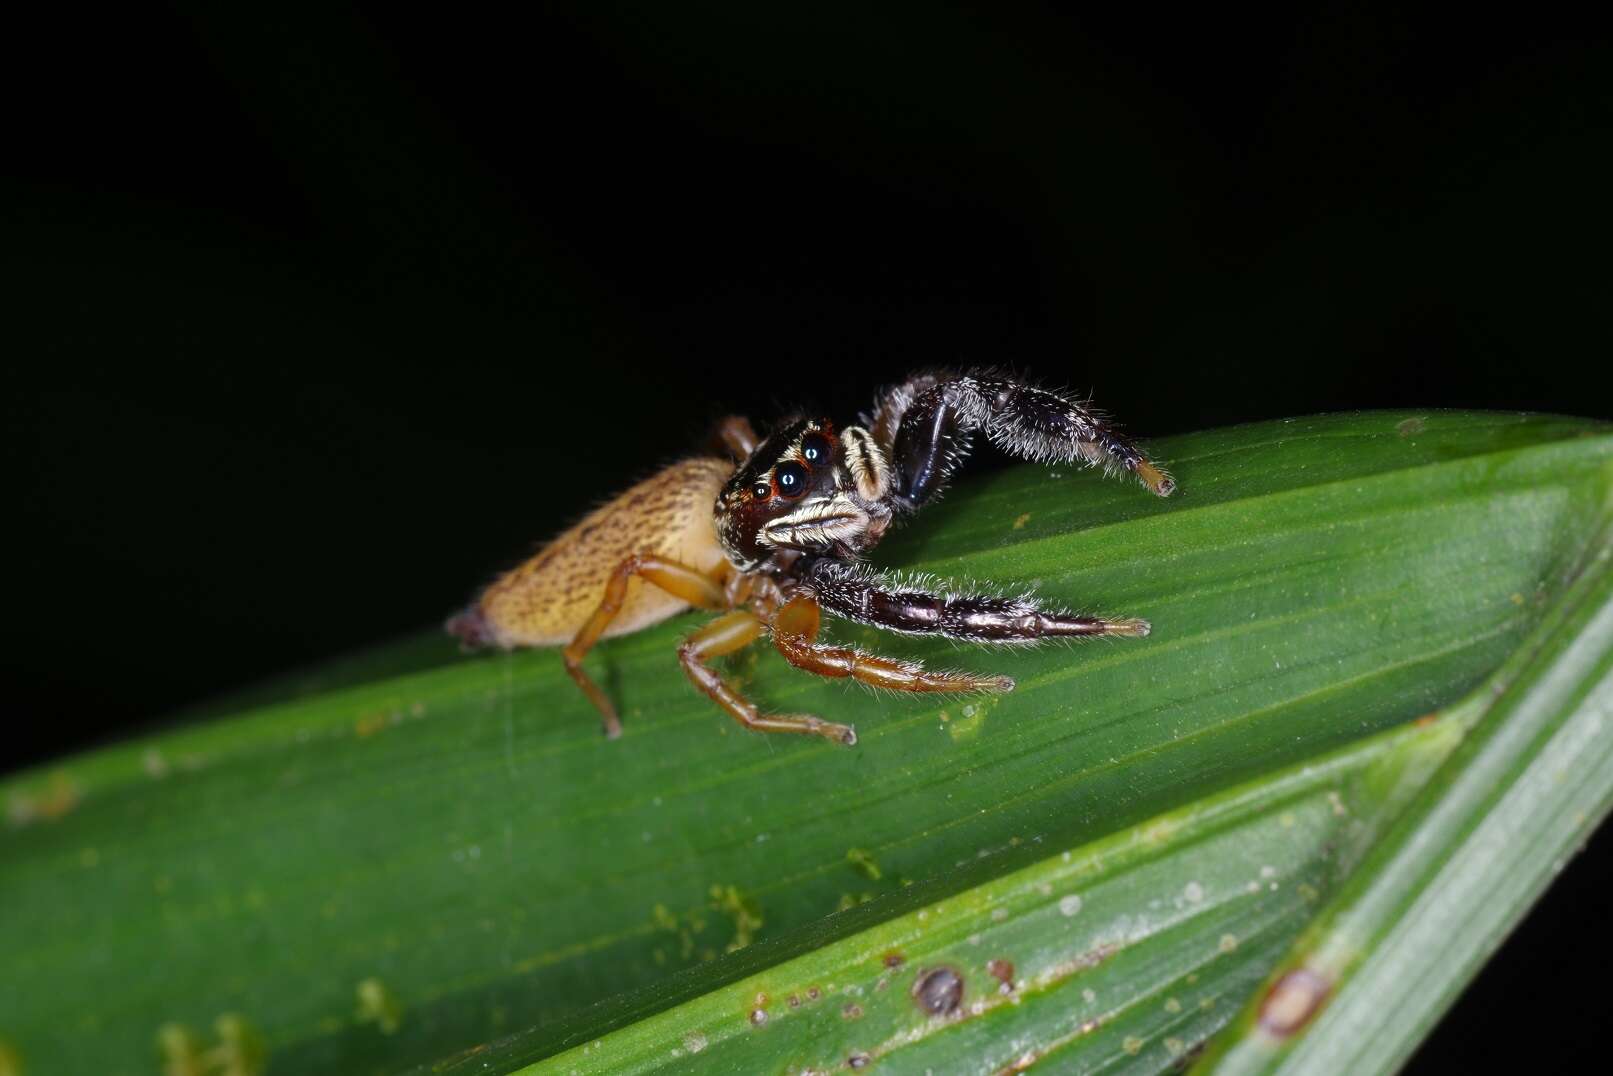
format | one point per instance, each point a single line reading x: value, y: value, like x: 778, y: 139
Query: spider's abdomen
x: 545, y: 601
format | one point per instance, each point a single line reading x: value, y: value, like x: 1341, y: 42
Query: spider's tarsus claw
x: 1135, y: 628
x: 840, y: 734
x: 612, y: 728
x: 1000, y: 683
x: 1158, y: 482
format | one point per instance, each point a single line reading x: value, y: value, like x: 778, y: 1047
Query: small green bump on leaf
x: 745, y: 911
x: 238, y: 1049
x: 55, y: 797
x: 971, y: 721
x: 379, y: 1006
x: 864, y: 863
x: 241, y: 1049
x: 181, y: 1051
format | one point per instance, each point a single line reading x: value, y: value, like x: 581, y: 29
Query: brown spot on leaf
x: 1003, y: 972
x: 893, y: 959
x: 1292, y: 1001
x: 938, y: 991
x: 1019, y: 1064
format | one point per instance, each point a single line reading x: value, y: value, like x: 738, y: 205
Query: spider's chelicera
x: 778, y: 541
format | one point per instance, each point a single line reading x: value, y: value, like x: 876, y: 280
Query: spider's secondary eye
x: 762, y: 490
x: 815, y: 448
x: 791, y: 478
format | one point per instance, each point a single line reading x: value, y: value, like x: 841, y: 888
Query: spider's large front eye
x: 815, y: 448
x: 791, y: 478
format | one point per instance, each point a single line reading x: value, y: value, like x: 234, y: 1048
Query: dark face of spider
x: 797, y: 492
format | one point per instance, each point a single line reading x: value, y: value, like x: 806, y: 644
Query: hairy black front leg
x: 934, y: 416
x: 933, y: 439
x: 1037, y: 424
x: 857, y: 593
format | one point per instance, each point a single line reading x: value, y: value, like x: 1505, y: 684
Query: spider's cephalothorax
x: 784, y: 541
x: 806, y: 489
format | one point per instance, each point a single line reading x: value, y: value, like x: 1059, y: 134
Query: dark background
x: 314, y: 321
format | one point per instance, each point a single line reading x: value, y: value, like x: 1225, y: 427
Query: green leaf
x: 1482, y: 840
x: 1132, y: 948
x: 414, y: 855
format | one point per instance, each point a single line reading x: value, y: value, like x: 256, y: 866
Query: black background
x: 313, y: 321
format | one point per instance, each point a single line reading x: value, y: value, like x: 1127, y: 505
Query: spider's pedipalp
x: 867, y: 463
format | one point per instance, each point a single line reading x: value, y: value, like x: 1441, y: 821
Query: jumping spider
x: 777, y: 542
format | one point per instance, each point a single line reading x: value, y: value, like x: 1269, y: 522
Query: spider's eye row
x: 815, y: 448
x: 791, y: 478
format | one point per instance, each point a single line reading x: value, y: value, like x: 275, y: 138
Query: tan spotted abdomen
x: 544, y: 601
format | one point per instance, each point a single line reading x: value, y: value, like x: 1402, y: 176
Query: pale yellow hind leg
x: 795, y: 633
x: 679, y: 580
x: 725, y: 635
